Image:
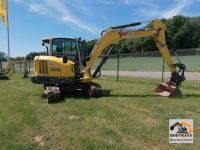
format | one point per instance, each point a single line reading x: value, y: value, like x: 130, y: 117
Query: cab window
x: 65, y: 47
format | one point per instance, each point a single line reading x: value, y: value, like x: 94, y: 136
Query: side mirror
x: 65, y: 59
x: 43, y: 44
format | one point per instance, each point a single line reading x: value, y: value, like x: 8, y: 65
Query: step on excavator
x: 66, y: 67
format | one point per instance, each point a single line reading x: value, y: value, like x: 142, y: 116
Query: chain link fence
x: 180, y: 52
x: 152, y: 61
x: 18, y: 67
x: 143, y: 61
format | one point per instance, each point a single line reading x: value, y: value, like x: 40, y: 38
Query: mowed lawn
x: 129, y: 116
x: 149, y: 63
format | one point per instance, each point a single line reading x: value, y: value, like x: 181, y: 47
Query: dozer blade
x: 168, y: 90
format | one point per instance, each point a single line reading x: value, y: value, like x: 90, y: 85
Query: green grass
x: 149, y: 63
x: 129, y: 116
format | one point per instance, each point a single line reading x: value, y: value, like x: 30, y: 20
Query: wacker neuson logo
x: 180, y: 130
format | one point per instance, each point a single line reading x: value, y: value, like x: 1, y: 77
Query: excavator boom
x: 158, y: 31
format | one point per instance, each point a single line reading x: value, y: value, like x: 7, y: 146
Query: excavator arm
x: 10, y: 64
x: 113, y: 35
x: 8, y: 67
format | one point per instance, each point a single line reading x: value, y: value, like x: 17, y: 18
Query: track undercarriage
x: 53, y: 92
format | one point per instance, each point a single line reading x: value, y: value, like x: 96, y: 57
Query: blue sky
x: 32, y: 20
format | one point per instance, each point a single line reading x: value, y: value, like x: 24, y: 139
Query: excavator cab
x: 73, y: 49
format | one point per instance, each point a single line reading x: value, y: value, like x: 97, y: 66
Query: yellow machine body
x: 57, y: 69
x: 53, y: 67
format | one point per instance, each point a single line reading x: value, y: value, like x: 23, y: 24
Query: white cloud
x: 139, y: 2
x: 126, y: 2
x: 67, y: 17
x: 81, y: 6
x: 36, y: 8
x: 130, y: 2
x: 107, y: 2
x: 58, y: 10
x: 64, y: 10
x: 16, y: 1
x: 176, y: 9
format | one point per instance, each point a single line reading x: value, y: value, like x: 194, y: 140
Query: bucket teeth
x: 168, y: 90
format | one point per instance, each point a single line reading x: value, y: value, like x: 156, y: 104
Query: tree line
x: 183, y: 32
x: 30, y: 56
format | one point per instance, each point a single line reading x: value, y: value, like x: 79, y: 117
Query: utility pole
x: 8, y: 32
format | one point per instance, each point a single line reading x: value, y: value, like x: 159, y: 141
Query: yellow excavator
x: 4, y: 71
x: 67, y: 65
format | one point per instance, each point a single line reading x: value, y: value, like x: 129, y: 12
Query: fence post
x: 29, y: 65
x: 163, y: 69
x: 20, y: 65
x: 118, y: 65
x: 13, y: 67
x: 1, y: 66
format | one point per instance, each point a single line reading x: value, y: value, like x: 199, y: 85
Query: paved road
x: 188, y: 75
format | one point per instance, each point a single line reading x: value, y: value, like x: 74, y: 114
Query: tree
x: 189, y: 35
x: 2, y: 56
x: 18, y: 58
x: 32, y: 55
x: 174, y: 24
x: 90, y: 45
x: 183, y: 32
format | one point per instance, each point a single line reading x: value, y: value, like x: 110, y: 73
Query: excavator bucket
x: 168, y: 90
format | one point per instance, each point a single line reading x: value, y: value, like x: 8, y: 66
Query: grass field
x: 149, y: 63
x: 129, y: 116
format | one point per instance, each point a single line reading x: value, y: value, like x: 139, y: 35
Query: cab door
x: 82, y: 54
